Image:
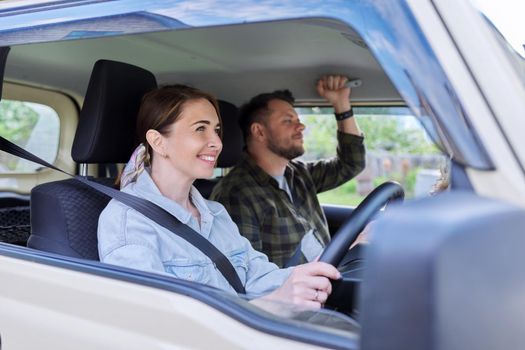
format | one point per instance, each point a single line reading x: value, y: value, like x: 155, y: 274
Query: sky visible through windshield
x: 507, y: 16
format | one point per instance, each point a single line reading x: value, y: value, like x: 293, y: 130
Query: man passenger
x: 272, y: 197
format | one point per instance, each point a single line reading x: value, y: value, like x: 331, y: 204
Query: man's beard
x: 290, y: 152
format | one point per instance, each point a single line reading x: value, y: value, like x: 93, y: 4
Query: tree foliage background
x: 384, y: 130
x: 389, y: 132
x: 17, y: 121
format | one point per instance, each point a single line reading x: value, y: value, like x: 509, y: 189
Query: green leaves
x: 387, y: 130
x: 17, y: 120
x: 395, y: 135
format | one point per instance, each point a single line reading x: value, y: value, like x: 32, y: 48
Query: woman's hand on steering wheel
x: 308, y: 285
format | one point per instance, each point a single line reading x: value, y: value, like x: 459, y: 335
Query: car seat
x: 64, y: 214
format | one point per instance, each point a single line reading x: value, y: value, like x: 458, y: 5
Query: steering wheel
x: 348, y: 232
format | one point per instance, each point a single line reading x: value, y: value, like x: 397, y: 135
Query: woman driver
x: 179, y: 128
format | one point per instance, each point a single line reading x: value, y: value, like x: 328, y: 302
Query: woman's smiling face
x: 192, y: 143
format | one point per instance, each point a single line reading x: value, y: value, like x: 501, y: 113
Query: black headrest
x: 3, y: 59
x: 232, y: 140
x: 106, y: 129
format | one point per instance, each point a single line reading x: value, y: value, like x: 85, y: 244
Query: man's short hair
x: 256, y: 109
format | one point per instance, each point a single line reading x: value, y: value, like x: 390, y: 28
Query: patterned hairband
x: 134, y: 166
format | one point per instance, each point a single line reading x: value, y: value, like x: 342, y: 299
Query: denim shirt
x: 127, y: 238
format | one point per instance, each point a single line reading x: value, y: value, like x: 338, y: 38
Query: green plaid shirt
x: 265, y: 214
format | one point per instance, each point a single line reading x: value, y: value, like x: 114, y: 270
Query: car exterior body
x: 439, y: 58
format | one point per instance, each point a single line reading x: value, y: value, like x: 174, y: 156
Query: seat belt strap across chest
x: 150, y: 210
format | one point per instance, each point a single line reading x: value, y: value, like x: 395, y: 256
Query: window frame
x: 67, y: 111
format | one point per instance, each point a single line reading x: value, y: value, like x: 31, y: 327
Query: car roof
x: 234, y: 62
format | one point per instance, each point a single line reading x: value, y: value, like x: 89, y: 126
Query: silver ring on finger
x: 316, y: 296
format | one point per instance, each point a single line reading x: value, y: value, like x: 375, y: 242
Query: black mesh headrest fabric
x: 106, y: 128
x: 3, y: 59
x: 232, y: 140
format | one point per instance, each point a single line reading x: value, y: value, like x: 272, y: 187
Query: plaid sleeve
x: 350, y: 161
x: 243, y: 212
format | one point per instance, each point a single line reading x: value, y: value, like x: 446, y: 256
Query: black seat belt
x: 150, y: 210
